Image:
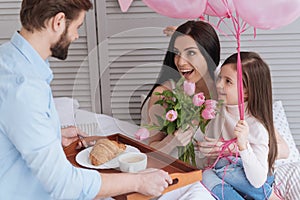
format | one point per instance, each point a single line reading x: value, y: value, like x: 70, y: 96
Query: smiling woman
x: 193, y: 52
x: 190, y: 62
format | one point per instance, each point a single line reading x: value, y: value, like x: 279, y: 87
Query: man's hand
x: 153, y: 181
x: 71, y: 134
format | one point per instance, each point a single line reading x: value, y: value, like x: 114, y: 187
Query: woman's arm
x: 166, y: 143
x: 283, y: 148
x: 159, y: 140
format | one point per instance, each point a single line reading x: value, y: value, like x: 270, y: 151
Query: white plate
x: 82, y: 158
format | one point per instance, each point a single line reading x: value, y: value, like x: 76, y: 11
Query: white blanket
x: 99, y: 124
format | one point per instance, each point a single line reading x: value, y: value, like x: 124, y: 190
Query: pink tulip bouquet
x: 183, y: 110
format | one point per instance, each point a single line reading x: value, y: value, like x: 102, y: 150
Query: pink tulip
x: 210, y: 103
x: 199, y: 99
x: 208, y: 113
x: 171, y: 115
x: 142, y: 134
x: 189, y: 88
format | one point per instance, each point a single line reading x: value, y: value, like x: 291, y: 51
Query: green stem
x: 187, y: 154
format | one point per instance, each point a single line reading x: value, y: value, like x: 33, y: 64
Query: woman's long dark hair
x: 258, y: 85
x: 207, y: 41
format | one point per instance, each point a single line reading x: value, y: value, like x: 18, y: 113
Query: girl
x: 250, y: 174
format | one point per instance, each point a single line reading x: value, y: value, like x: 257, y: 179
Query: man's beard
x: 60, y: 49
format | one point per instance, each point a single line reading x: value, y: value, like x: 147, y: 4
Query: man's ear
x: 58, y: 22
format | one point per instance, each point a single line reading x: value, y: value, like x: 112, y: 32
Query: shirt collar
x: 234, y: 110
x: 42, y: 67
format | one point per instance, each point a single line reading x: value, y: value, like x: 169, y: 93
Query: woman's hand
x: 182, y: 138
x: 71, y: 134
x: 166, y: 143
x: 241, y: 131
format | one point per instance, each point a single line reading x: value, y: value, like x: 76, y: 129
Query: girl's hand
x: 209, y: 147
x: 241, y: 131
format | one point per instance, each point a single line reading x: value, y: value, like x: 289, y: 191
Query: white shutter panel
x: 77, y: 77
x: 9, y: 10
x: 9, y: 19
x: 134, y: 62
x: 72, y: 76
x: 132, y: 49
x: 281, y: 50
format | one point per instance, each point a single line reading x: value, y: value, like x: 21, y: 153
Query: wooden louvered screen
x: 132, y: 48
x: 134, y: 62
x: 76, y: 77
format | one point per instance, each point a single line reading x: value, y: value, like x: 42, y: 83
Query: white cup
x: 132, y: 162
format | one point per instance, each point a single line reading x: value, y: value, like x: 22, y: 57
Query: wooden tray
x: 156, y: 159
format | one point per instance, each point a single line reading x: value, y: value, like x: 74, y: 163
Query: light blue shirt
x: 32, y: 161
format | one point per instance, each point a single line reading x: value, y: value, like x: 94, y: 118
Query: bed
x: 287, y: 171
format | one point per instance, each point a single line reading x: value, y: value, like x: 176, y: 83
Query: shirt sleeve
x: 33, y: 128
x: 255, y: 157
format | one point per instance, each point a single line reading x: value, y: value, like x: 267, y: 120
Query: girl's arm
x: 253, y: 150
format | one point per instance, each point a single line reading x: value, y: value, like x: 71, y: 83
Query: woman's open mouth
x: 186, y: 72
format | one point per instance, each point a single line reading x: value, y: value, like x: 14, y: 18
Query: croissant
x: 105, y: 150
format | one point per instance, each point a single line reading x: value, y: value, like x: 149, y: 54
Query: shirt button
x: 20, y: 79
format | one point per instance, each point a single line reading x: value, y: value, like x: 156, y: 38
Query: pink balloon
x: 187, y: 9
x: 219, y: 8
x: 125, y: 4
x: 268, y: 14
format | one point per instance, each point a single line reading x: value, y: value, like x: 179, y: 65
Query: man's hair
x: 35, y: 13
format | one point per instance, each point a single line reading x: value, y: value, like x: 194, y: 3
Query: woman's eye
x: 191, y: 53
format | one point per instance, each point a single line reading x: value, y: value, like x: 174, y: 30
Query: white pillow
x: 65, y: 108
x: 282, y: 125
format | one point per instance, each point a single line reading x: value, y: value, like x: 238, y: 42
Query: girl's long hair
x: 258, y: 85
x: 208, y: 43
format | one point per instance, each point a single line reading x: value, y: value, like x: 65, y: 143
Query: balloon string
x: 240, y: 73
x: 225, y: 151
x: 222, y: 19
x: 240, y: 87
x: 238, y: 30
x: 223, y: 154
